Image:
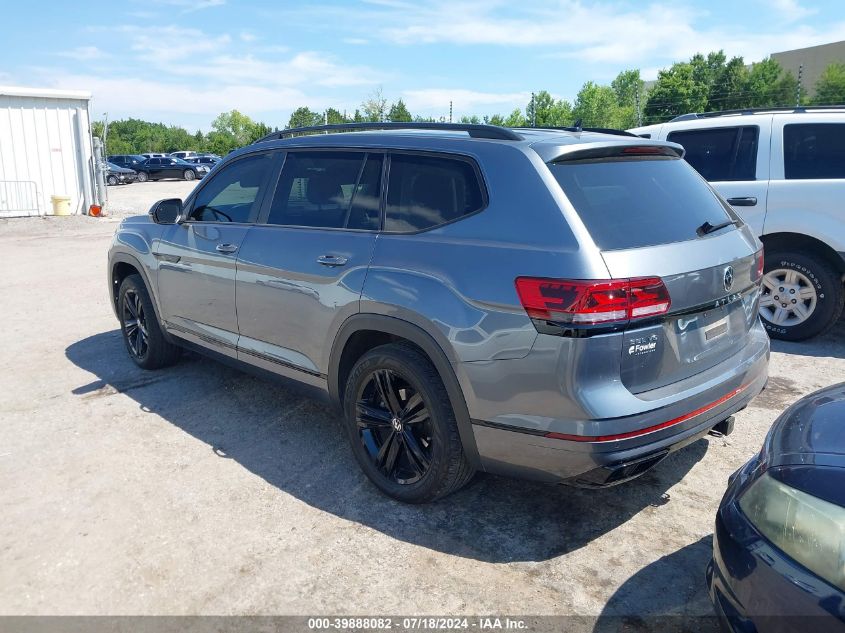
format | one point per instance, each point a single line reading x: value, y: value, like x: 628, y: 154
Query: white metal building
x: 45, y: 151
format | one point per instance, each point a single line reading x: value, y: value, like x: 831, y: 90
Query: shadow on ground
x: 296, y: 445
x: 829, y: 345
x: 653, y: 599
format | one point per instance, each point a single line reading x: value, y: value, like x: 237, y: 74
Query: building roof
x: 43, y: 93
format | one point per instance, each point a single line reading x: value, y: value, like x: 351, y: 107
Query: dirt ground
x: 201, y: 490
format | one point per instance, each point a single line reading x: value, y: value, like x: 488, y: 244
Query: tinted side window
x: 814, y: 150
x: 425, y: 191
x: 154, y: 161
x: 721, y: 154
x: 233, y: 193
x: 328, y: 190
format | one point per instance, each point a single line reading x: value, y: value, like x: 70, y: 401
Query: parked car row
x: 153, y: 166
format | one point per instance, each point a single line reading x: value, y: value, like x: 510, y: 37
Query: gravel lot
x: 201, y: 490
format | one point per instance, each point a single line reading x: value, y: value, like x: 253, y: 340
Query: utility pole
x: 639, y: 114
x: 450, y: 112
x: 106, y: 134
x: 533, y: 112
x: 798, y: 90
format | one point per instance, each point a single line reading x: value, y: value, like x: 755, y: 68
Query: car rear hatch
x: 655, y: 220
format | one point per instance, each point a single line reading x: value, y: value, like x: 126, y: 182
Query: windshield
x: 635, y: 202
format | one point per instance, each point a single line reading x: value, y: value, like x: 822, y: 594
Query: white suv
x: 783, y: 171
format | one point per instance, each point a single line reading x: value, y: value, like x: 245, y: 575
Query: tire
x: 189, y: 174
x: 112, y: 180
x: 811, y: 300
x: 145, y: 341
x: 143, y: 176
x: 433, y: 437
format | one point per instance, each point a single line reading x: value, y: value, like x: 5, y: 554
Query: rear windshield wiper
x: 708, y: 228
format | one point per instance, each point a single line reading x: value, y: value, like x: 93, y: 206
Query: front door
x: 197, y: 258
x: 302, y: 268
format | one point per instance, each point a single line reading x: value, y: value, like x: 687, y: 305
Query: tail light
x: 758, y: 264
x: 580, y: 302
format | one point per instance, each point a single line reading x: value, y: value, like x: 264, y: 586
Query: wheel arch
x: 362, y: 332
x: 121, y: 266
x: 800, y: 241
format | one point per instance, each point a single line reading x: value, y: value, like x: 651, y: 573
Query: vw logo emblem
x: 729, y: 277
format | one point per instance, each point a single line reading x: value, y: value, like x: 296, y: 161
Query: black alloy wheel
x: 394, y: 425
x: 135, y: 324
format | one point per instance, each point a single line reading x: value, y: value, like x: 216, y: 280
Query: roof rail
x: 475, y: 130
x: 598, y: 130
x: 795, y: 109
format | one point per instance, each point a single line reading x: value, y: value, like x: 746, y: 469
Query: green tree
x: 627, y: 86
x: 729, y: 87
x: 546, y: 111
x: 830, y: 88
x: 770, y: 85
x: 399, y: 112
x: 515, y: 119
x: 678, y: 90
x: 596, y: 106
x: 235, y: 126
x: 335, y: 116
x: 304, y: 117
x: 475, y: 119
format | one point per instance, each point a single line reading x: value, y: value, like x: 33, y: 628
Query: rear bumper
x: 647, y: 437
x: 755, y: 587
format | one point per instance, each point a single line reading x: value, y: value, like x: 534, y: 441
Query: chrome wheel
x: 189, y: 175
x: 394, y: 425
x: 135, y: 324
x: 789, y: 297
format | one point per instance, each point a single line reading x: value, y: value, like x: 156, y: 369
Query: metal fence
x: 18, y: 198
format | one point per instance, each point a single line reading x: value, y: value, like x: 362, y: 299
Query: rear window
x: 814, y: 150
x: 635, y: 202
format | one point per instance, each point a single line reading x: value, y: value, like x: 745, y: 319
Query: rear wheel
x: 142, y: 334
x: 142, y: 176
x: 802, y: 295
x: 189, y: 174
x: 401, y: 426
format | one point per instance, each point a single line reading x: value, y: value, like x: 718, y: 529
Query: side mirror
x: 167, y: 211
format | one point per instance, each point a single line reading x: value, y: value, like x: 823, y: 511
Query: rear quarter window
x: 636, y: 202
x: 814, y: 150
x: 427, y: 191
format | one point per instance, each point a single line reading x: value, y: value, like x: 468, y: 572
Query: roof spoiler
x: 620, y: 151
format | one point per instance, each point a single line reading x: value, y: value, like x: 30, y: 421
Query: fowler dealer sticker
x: 641, y: 346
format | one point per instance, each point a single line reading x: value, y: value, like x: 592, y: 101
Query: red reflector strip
x: 648, y: 429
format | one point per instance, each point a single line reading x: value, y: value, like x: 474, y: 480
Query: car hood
x: 810, y: 432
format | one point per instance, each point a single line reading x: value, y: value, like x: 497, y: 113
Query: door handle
x: 227, y: 248
x: 332, y: 260
x: 748, y: 201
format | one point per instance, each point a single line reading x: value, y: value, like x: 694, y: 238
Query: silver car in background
x: 563, y: 305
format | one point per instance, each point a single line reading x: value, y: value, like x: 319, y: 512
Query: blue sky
x: 184, y: 61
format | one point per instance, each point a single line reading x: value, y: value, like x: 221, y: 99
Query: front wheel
x: 112, y: 180
x: 142, y: 176
x: 189, y: 174
x: 802, y: 295
x: 142, y: 334
x: 401, y: 426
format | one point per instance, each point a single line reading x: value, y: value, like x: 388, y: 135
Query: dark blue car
x: 779, y: 543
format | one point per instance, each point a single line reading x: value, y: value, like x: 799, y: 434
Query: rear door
x: 301, y: 270
x: 734, y: 159
x: 648, y: 215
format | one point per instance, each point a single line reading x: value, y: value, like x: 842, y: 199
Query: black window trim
x: 255, y: 215
x: 264, y: 215
x: 737, y: 138
x: 482, y: 184
x: 387, y: 153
